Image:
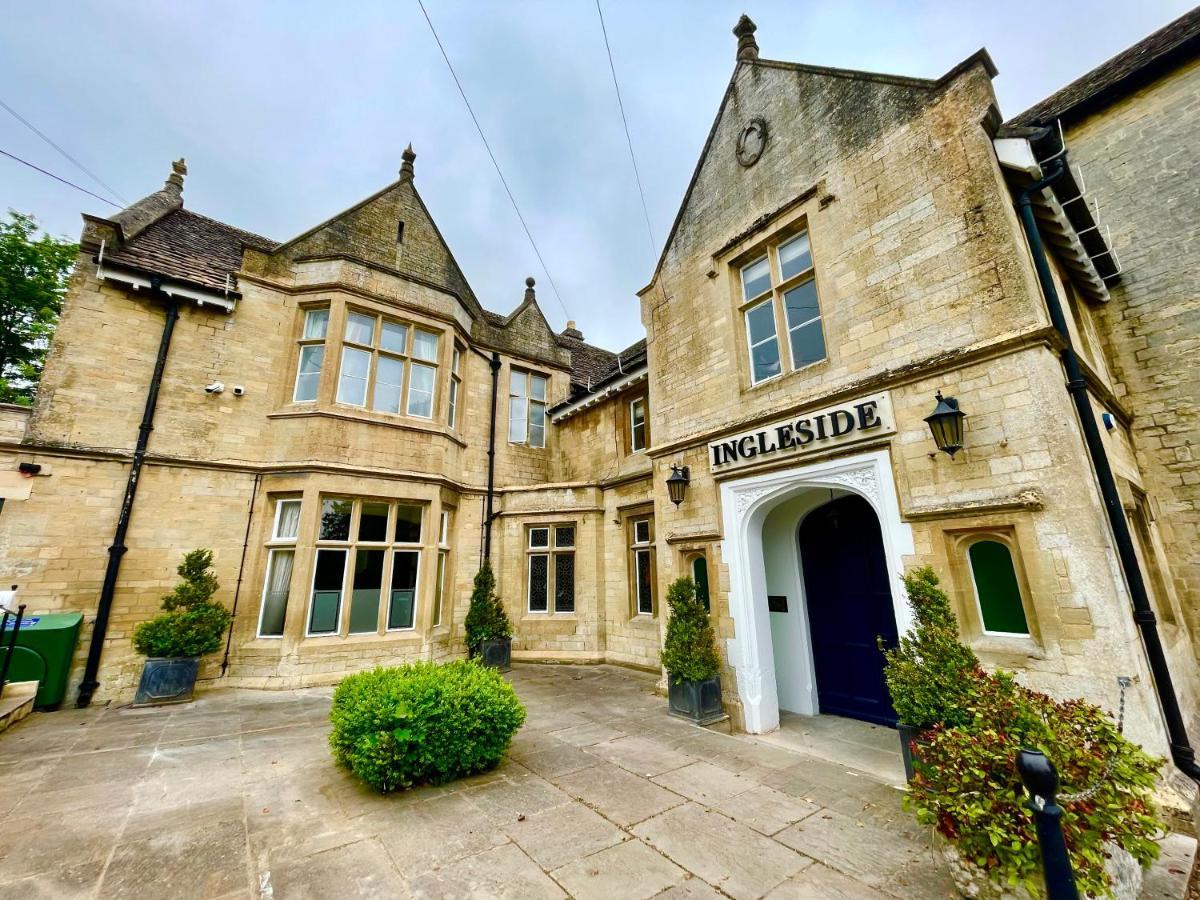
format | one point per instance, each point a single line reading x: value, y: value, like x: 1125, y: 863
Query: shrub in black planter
x: 191, y: 626
x: 423, y: 723
x: 690, y: 656
x: 489, y: 633
x: 930, y: 673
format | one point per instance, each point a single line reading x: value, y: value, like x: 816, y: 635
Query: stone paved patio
x: 603, y: 796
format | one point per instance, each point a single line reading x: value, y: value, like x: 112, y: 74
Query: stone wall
x: 1142, y: 164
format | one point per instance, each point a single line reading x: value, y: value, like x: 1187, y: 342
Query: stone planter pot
x: 496, y: 653
x: 908, y: 735
x: 167, y: 680
x: 699, y: 701
x: 974, y: 884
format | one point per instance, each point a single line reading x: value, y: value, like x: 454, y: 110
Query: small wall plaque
x: 777, y: 603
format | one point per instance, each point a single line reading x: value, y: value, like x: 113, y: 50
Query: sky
x: 289, y: 112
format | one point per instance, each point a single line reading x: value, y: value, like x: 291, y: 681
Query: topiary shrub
x: 193, y: 622
x: 967, y: 786
x: 423, y: 723
x: 486, y: 619
x: 690, y: 650
x: 930, y: 673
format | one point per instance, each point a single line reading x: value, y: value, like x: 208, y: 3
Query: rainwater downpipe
x: 1182, y: 753
x: 488, y: 511
x: 104, y: 608
x: 237, y: 591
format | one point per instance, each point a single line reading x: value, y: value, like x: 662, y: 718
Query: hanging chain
x: 1089, y: 792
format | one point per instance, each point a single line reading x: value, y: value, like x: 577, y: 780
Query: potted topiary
x: 930, y: 672
x: 174, y: 641
x: 690, y: 657
x: 968, y: 789
x: 489, y: 634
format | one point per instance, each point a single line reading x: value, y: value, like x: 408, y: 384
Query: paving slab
x: 854, y: 847
x: 504, y: 873
x: 358, y: 869
x: 705, y: 783
x: 563, y: 834
x: 642, y: 756
x: 766, y: 810
x: 737, y: 860
x: 819, y: 882
x: 617, y: 799
x: 619, y: 795
x: 630, y: 871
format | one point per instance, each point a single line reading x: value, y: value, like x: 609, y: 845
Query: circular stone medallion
x: 752, y: 141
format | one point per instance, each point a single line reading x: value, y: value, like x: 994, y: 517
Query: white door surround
x: 745, y: 503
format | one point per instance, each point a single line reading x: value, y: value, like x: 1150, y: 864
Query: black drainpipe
x: 1182, y: 752
x: 237, y: 590
x: 89, y: 684
x: 488, y: 514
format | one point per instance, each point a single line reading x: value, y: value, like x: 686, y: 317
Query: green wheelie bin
x: 45, y: 646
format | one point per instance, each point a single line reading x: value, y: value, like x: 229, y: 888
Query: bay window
x: 312, y: 355
x: 281, y: 556
x: 368, y: 550
x: 387, y: 366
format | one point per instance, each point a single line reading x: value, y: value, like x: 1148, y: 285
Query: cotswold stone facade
x: 847, y: 248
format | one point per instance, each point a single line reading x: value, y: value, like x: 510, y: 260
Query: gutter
x: 116, y: 551
x: 1182, y: 752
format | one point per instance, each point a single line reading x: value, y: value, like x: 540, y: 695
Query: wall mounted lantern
x: 946, y: 424
x: 677, y: 483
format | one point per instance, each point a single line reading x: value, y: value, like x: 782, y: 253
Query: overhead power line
x: 58, y: 178
x: 76, y: 163
x: 488, y: 147
x: 625, y: 122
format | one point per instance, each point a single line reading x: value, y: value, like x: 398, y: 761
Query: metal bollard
x: 1041, y: 781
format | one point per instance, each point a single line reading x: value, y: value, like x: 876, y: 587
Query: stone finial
x: 747, y: 47
x: 529, y: 294
x: 175, y: 179
x: 406, y: 166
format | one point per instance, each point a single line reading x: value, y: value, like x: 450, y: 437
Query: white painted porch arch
x: 745, y: 503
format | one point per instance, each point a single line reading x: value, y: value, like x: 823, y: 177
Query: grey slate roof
x: 1123, y: 73
x: 186, y: 245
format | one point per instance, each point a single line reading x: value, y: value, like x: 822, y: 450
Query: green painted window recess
x: 997, y: 589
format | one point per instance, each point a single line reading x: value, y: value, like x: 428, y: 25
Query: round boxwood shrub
x: 423, y: 723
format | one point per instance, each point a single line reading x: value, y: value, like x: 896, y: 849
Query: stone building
x: 847, y: 248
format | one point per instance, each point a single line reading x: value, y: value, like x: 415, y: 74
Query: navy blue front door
x: 849, y: 607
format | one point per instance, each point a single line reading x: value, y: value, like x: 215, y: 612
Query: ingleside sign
x: 846, y: 423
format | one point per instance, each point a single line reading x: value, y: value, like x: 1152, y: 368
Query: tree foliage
x: 486, y: 619
x: 690, y: 650
x: 193, y: 622
x: 33, y: 281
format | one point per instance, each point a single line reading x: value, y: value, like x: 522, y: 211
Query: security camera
x: 238, y: 390
x: 215, y: 387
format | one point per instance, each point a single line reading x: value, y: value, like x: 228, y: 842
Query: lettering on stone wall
x: 846, y: 423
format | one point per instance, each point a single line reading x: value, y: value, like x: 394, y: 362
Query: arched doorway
x: 848, y: 597
x: 771, y: 651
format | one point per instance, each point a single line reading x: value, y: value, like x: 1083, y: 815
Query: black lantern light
x: 677, y: 483
x: 946, y: 424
